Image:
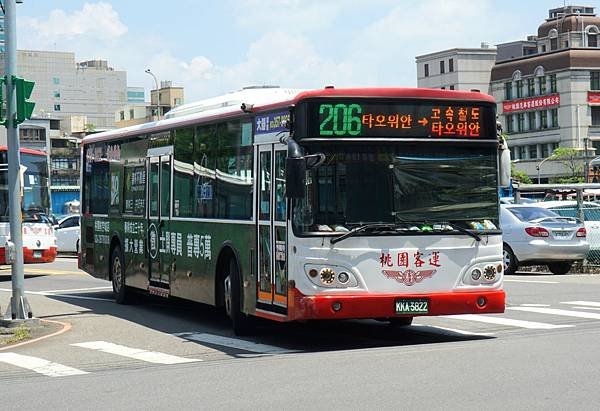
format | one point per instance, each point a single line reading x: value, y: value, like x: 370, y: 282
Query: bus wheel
x: 242, y: 323
x: 400, y: 321
x: 117, y: 272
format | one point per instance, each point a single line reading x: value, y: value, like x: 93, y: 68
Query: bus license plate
x: 37, y: 254
x: 412, y: 306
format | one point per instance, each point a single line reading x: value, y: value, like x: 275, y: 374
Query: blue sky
x: 212, y: 47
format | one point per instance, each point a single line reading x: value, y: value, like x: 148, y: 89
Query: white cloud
x: 95, y: 20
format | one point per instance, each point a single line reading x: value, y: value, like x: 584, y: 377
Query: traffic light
x: 2, y: 113
x: 24, y: 108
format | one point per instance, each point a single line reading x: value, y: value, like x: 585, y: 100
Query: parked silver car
x: 533, y: 235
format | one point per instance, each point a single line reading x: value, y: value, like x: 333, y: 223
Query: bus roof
x: 256, y: 99
x: 26, y: 151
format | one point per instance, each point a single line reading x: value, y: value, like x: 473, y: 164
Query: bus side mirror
x: 295, y: 177
x: 504, y: 165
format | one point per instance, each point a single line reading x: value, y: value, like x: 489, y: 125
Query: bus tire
x: 241, y: 322
x: 400, y: 321
x: 117, y: 274
x: 509, y: 260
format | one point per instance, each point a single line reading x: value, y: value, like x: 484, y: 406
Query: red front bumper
x: 303, y: 307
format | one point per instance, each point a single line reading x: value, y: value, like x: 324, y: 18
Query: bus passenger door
x: 159, y: 212
x: 271, y: 229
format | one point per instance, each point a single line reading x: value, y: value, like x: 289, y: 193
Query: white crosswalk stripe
x: 506, y: 321
x: 234, y: 343
x: 136, y: 353
x: 39, y: 365
x: 588, y: 303
x: 556, y: 311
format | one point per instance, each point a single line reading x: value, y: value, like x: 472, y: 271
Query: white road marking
x: 535, y: 305
x: 454, y: 330
x: 588, y: 303
x: 51, y: 294
x: 234, y: 343
x: 555, y: 311
x: 531, y: 281
x: 506, y: 321
x: 79, y: 289
x: 39, y: 365
x: 587, y: 308
x: 136, y: 353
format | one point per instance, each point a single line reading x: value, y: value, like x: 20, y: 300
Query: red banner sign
x: 593, y: 97
x: 531, y: 103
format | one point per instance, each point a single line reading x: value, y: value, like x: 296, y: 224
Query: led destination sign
x: 348, y: 119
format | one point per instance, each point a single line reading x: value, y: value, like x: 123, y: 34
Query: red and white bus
x: 39, y: 242
x: 298, y: 205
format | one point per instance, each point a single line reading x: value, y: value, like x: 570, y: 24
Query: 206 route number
x: 412, y: 306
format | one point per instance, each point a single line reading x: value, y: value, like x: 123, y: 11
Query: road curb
x: 66, y: 327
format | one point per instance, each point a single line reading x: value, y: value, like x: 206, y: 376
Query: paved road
x: 541, y: 354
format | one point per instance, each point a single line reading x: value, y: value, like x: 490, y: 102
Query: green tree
x: 519, y: 176
x: 570, y: 158
x: 89, y: 128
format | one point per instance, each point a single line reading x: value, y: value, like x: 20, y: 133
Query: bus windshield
x: 36, y: 197
x: 412, y: 184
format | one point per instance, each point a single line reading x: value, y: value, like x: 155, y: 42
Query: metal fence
x: 574, y: 200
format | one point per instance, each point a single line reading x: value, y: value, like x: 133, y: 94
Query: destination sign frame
x: 367, y: 118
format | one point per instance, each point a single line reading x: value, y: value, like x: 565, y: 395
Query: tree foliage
x: 570, y: 158
x: 519, y: 176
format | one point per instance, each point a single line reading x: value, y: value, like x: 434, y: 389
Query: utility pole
x: 19, y: 307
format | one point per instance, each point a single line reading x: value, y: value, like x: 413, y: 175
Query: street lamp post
x: 147, y: 71
x: 540, y: 166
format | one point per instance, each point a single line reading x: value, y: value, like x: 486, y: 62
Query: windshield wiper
x: 363, y: 227
x: 462, y: 230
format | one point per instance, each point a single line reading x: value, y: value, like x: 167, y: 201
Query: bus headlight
x: 476, y: 274
x: 327, y: 276
x: 330, y: 276
x: 489, y: 272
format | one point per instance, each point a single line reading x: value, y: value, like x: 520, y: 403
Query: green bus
x: 303, y: 204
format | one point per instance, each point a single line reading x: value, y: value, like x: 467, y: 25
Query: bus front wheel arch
x: 229, y: 292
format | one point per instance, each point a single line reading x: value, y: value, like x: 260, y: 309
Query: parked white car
x: 533, y: 235
x: 591, y: 220
x: 67, y: 234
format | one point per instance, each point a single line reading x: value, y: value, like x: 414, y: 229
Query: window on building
x: 521, y: 122
x: 542, y: 84
x: 544, y: 119
x: 56, y: 94
x: 451, y: 65
x: 592, y: 39
x: 554, y: 117
x: 523, y: 152
x: 533, y: 151
x: 553, y: 88
x: 131, y: 114
x: 442, y: 67
x: 57, y: 107
x: 543, y: 48
x: 544, y: 150
x: 519, y: 88
x: 532, y: 123
x: 554, y: 146
x: 514, y: 153
x: 55, y: 80
x: 122, y: 115
x: 595, y: 115
x: 530, y: 87
x: 426, y: 67
x: 509, y: 123
x: 594, y: 80
x: 554, y: 43
x: 508, y: 90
